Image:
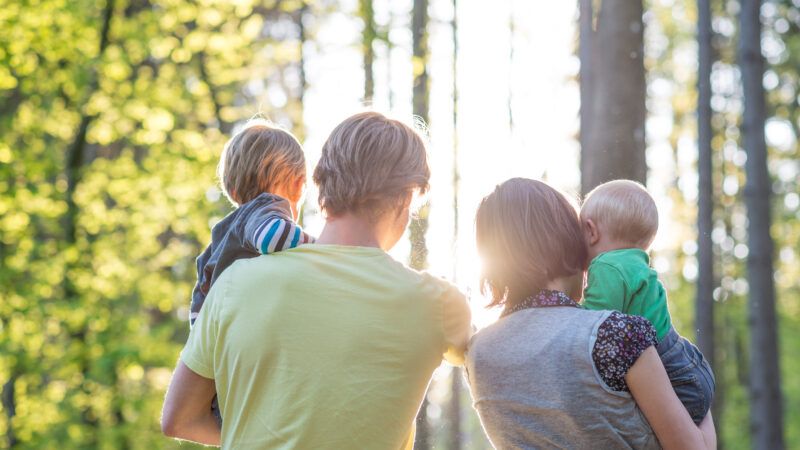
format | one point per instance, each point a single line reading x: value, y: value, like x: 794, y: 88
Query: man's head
x: 372, y: 167
x: 262, y: 158
x: 619, y: 214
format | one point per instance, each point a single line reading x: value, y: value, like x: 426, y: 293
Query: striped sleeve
x: 276, y: 234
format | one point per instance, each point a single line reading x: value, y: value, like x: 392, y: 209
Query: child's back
x: 261, y: 226
x: 262, y: 170
x: 623, y: 280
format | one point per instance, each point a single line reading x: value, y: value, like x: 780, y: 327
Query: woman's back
x: 324, y: 346
x: 535, y: 385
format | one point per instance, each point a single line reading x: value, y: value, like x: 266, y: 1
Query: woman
x: 332, y: 344
x: 549, y: 374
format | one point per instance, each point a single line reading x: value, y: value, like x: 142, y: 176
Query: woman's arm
x: 708, y: 430
x: 187, y: 408
x: 650, y: 387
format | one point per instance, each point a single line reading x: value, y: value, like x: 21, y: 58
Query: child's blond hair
x: 259, y: 158
x: 623, y: 209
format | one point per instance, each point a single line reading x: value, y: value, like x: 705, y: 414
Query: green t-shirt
x: 622, y: 280
x: 324, y: 346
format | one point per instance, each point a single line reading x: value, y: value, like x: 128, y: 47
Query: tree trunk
x: 704, y: 311
x: 704, y: 301
x: 368, y: 36
x: 766, y: 418
x: 419, y: 36
x: 419, y: 226
x: 300, y: 127
x: 213, y: 93
x: 302, y: 32
x: 420, y: 97
x: 586, y: 38
x: 10, y: 407
x: 73, y: 170
x: 455, y: 409
x: 616, y: 145
x: 455, y: 375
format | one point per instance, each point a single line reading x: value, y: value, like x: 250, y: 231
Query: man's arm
x: 187, y: 408
x: 457, y: 325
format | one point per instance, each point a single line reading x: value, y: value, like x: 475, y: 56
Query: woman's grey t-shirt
x: 535, y: 385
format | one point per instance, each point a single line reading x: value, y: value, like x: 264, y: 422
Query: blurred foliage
x: 673, y: 62
x: 118, y: 108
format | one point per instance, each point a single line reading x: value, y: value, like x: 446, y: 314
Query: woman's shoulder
x: 541, y: 319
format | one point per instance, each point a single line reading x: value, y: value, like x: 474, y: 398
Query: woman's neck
x: 352, y: 230
x: 572, y: 286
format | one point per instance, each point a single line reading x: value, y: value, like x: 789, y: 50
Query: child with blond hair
x: 262, y: 171
x: 620, y: 221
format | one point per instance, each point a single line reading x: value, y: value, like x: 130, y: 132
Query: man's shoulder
x: 428, y: 284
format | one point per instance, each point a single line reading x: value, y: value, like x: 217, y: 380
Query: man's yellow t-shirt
x: 324, y: 346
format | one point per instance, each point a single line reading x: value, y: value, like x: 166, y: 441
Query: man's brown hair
x: 528, y: 233
x: 259, y: 158
x: 369, y: 164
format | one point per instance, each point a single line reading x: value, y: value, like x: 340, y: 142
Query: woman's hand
x: 653, y: 392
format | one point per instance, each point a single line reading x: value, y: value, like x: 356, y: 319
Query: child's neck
x: 607, y: 245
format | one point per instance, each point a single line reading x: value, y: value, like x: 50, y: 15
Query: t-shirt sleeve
x: 605, y: 288
x: 456, y: 324
x: 198, y: 353
x: 621, y: 339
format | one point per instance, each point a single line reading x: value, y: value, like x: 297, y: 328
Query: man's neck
x: 350, y: 229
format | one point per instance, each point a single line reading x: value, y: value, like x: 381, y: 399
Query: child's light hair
x: 369, y: 164
x: 259, y: 158
x: 623, y: 209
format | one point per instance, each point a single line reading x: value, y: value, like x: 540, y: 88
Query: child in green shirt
x: 620, y: 221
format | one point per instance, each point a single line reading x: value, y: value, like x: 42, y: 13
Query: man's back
x: 322, y: 347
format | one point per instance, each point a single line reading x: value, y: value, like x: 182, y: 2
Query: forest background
x: 113, y: 114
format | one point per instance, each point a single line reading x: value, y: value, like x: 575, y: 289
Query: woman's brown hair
x: 528, y: 233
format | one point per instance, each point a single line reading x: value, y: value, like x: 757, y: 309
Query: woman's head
x: 371, y: 166
x: 528, y: 235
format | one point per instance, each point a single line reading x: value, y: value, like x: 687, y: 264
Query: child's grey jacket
x: 261, y: 226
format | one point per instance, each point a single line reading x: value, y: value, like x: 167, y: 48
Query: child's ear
x: 591, y: 231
